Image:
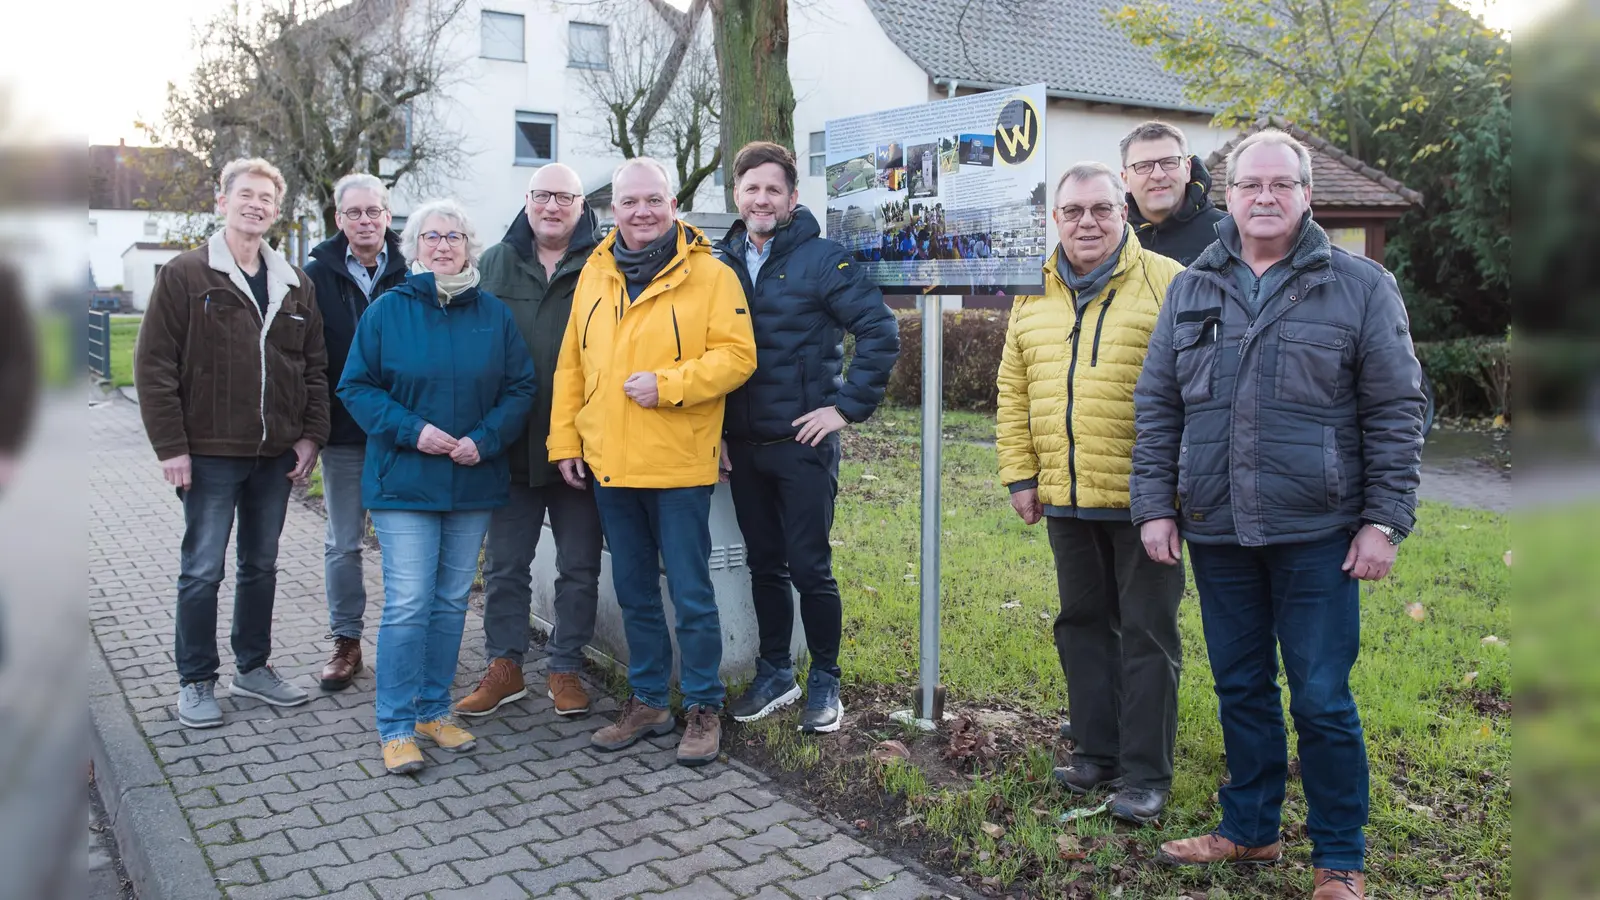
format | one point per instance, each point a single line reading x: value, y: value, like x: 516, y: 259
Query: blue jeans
x: 1254, y: 601
x: 429, y: 562
x: 257, y: 488
x: 347, y: 531
x: 673, y: 526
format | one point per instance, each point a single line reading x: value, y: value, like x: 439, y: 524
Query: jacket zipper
x: 1072, y: 443
x: 676, y: 337
x: 587, y: 319
x: 1094, y: 354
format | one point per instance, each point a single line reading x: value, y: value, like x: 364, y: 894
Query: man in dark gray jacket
x: 1279, y: 420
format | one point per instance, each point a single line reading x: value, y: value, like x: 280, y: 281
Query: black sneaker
x: 772, y: 690
x: 1083, y: 777
x: 1140, y: 806
x: 824, y: 712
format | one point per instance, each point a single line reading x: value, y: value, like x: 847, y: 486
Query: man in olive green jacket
x: 534, y: 270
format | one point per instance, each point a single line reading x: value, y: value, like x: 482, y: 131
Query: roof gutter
x: 950, y: 83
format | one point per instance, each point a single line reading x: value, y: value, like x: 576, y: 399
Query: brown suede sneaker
x: 702, y: 737
x: 343, y: 665
x: 1339, y: 884
x: 636, y: 721
x: 502, y: 684
x: 1213, y: 847
x: 566, y: 689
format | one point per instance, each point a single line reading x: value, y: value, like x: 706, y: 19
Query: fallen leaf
x: 1419, y: 808
x: 1508, y: 557
x: 866, y: 477
x: 1469, y: 678
x: 1038, y: 812
x: 1045, y: 616
x: 1500, y: 421
x: 985, y: 856
x: 1464, y: 527
x: 1416, y: 611
x: 1015, y: 604
x: 1484, y: 731
x: 908, y: 821
x: 1492, y: 640
x: 1067, y: 848
x: 992, y: 830
x: 870, y: 589
x: 862, y: 824
x: 836, y: 543
x: 888, y: 750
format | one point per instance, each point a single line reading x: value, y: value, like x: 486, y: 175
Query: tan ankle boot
x: 502, y: 684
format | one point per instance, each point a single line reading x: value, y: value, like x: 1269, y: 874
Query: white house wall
x: 1075, y: 132
x: 113, y: 231
x: 139, y: 273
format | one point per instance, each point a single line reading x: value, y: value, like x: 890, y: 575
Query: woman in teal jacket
x: 440, y: 380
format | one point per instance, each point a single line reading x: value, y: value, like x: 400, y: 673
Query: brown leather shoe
x: 566, y: 689
x: 1213, y: 847
x: 702, y: 737
x: 1339, y: 884
x: 343, y: 665
x: 636, y: 721
x: 502, y: 684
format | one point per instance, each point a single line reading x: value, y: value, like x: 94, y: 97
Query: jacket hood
x: 584, y: 238
x: 1196, y: 199
x: 1312, y: 248
x: 421, y: 287
x: 331, y: 251
x: 801, y: 227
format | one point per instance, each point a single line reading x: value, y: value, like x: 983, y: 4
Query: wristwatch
x: 1393, y: 534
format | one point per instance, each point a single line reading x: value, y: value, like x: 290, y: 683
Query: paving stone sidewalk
x: 295, y: 803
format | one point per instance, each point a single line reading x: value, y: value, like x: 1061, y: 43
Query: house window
x: 588, y: 46
x: 150, y: 227
x: 716, y: 177
x: 501, y: 35
x: 819, y: 153
x: 536, y: 139
x: 400, y: 137
x: 94, y: 227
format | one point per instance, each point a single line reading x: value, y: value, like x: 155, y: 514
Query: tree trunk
x: 752, y: 43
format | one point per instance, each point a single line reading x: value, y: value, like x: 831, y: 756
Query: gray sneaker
x: 197, y: 705
x: 265, y: 685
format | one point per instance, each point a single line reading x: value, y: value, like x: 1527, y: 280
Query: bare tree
x: 322, y: 88
x: 752, y: 42
x: 661, y: 96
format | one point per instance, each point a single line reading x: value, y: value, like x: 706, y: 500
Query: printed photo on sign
x: 977, y: 149
x: 890, y: 156
x: 922, y: 174
x: 851, y: 175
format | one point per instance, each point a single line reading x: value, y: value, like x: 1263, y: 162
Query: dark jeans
x: 514, y: 531
x: 1254, y: 601
x: 1117, y: 636
x: 258, y: 489
x: 783, y: 495
x: 648, y: 530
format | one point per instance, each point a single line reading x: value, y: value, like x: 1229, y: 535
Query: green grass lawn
x: 124, y: 332
x: 1440, y: 766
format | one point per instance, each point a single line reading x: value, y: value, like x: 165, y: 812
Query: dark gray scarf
x: 640, y: 267
x: 1087, y: 287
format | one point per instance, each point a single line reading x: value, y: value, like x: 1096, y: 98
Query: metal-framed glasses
x: 562, y: 198
x: 1280, y: 188
x: 451, y: 238
x: 1101, y: 211
x: 355, y: 214
x: 1167, y: 164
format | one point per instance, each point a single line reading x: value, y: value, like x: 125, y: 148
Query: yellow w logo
x: 1020, y: 136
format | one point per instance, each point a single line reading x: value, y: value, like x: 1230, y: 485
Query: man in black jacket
x: 1169, y: 202
x: 534, y: 271
x: 782, y: 454
x: 349, y: 271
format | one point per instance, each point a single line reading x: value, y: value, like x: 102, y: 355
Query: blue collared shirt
x: 366, y: 280
x: 754, y: 259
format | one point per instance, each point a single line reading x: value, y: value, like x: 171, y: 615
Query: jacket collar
x: 332, y: 252
x: 691, y: 241
x: 1132, y: 254
x: 1196, y: 200
x: 801, y: 227
x: 281, y: 276
x: 584, y: 239
x: 1311, y: 249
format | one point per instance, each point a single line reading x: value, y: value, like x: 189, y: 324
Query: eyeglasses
x: 453, y: 238
x: 355, y: 215
x: 562, y: 198
x: 1101, y: 211
x: 1167, y: 164
x: 1279, y: 188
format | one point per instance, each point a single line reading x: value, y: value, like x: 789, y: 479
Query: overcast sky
x: 132, y: 48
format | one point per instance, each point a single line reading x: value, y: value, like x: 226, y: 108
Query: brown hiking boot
x: 702, y: 737
x: 343, y: 665
x: 1213, y: 847
x: 502, y: 684
x: 566, y: 689
x: 636, y: 721
x: 1339, y: 884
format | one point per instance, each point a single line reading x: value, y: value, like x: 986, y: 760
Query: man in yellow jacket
x: 659, y: 334
x: 1064, y: 436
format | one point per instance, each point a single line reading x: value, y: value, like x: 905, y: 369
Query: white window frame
x: 819, y: 154
x: 489, y: 16
x: 573, y: 29
x: 537, y: 118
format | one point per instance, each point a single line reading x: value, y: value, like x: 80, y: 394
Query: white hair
x: 647, y: 161
x: 443, y: 209
x: 360, y: 181
x: 1271, y: 136
x: 1090, y: 170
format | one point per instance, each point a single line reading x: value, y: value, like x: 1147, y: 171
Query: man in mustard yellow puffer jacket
x: 1064, y: 436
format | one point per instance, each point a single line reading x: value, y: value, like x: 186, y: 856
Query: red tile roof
x: 1339, y: 180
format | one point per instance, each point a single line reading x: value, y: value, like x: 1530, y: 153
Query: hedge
x: 1470, y: 376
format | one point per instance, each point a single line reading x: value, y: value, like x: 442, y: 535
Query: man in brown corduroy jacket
x: 231, y: 374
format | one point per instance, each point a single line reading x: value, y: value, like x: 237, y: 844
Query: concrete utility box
x: 730, y: 576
